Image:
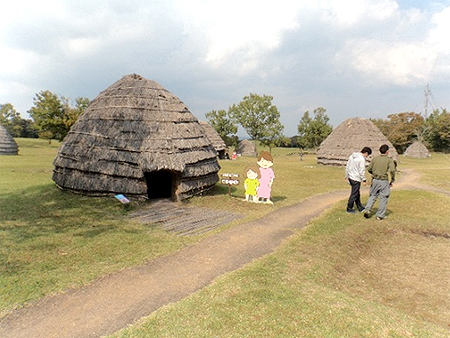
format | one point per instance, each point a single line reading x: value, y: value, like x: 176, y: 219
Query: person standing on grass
x: 355, y: 173
x: 382, y: 168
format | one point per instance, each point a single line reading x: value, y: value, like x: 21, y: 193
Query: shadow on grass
x: 220, y: 189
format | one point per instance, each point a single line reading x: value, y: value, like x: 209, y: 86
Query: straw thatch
x: 136, y: 138
x: 417, y: 150
x: 7, y: 144
x: 215, y: 139
x: 352, y: 135
x: 246, y: 148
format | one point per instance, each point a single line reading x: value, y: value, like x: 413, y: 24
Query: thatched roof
x: 213, y: 136
x: 7, y: 144
x: 133, y: 128
x: 417, y: 150
x: 352, y: 135
x: 246, y: 148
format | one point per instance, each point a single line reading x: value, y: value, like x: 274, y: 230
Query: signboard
x: 230, y: 179
x: 122, y: 198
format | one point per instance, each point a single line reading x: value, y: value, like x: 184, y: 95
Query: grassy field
x: 342, y: 276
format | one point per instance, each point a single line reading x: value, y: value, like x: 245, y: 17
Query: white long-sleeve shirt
x: 356, y: 167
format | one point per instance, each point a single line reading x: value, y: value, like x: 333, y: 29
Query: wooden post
x: 230, y: 179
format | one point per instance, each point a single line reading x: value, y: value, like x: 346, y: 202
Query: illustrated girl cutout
x: 251, y: 183
x: 265, y: 162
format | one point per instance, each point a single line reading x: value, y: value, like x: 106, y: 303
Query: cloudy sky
x: 366, y: 58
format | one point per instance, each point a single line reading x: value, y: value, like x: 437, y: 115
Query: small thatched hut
x: 215, y: 139
x: 417, y: 150
x: 138, y: 139
x: 352, y: 135
x: 7, y: 144
x: 246, y: 148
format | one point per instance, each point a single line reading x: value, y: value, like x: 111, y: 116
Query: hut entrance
x: 160, y: 184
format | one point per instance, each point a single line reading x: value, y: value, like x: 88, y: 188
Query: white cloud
x: 351, y: 12
x: 386, y: 63
x: 248, y: 27
x: 439, y: 36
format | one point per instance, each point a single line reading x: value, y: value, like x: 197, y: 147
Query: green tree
x: 437, y: 130
x: 401, y: 129
x: 72, y: 113
x: 54, y: 116
x: 259, y: 118
x: 312, y: 131
x: 224, y: 125
x: 10, y: 119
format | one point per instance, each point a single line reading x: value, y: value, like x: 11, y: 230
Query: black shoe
x: 367, y: 214
x: 351, y: 211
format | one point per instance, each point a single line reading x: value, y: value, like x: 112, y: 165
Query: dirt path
x: 119, y: 299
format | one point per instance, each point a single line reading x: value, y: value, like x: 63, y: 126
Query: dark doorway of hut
x: 160, y: 184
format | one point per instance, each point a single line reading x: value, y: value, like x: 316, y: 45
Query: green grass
x: 53, y: 240
x: 342, y: 276
x: 434, y: 170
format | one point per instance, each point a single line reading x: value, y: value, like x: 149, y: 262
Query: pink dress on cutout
x: 267, y: 175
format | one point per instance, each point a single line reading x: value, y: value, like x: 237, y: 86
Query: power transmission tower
x: 427, y: 94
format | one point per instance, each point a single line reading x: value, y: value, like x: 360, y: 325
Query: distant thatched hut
x: 352, y: 135
x: 138, y: 139
x: 246, y: 148
x: 7, y: 144
x: 417, y: 150
x: 216, y: 141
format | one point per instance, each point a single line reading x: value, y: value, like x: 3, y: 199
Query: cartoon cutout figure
x: 251, y: 183
x: 265, y: 161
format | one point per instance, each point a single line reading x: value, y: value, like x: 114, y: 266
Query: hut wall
x: 131, y: 129
x: 8, y: 145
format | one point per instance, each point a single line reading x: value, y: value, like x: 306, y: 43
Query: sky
x: 355, y: 58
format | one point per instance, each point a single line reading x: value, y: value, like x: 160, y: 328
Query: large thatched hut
x: 7, y: 144
x: 246, y: 148
x: 352, y: 135
x: 216, y: 141
x: 417, y: 150
x: 138, y: 139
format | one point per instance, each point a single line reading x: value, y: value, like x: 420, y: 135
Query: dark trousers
x: 355, y: 196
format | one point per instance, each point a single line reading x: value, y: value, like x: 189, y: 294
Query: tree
x: 72, y: 113
x: 312, y: 131
x: 54, y: 116
x: 437, y: 130
x: 259, y: 118
x: 224, y: 125
x: 10, y: 119
x: 401, y: 129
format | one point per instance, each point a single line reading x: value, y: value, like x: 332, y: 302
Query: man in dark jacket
x: 382, y: 168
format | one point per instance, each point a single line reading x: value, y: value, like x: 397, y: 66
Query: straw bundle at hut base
x: 137, y: 139
x: 417, y: 150
x: 216, y: 141
x: 352, y: 135
x: 7, y: 144
x: 246, y: 148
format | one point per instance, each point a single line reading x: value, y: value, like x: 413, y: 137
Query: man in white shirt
x: 355, y: 173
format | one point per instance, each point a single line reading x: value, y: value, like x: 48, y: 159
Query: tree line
x: 403, y: 129
x: 261, y: 121
x: 52, y: 117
